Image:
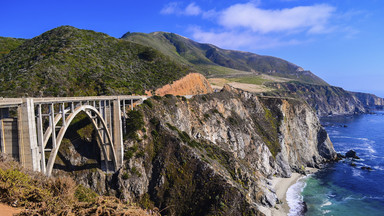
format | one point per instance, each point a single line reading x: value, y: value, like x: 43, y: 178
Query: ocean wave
x: 357, y: 173
x: 364, y: 198
x: 378, y: 168
x: 325, y: 212
x: 294, y: 197
x: 326, y: 203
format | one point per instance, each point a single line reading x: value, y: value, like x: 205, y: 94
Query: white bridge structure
x: 32, y: 127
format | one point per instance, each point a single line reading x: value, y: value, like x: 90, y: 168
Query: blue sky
x: 339, y: 40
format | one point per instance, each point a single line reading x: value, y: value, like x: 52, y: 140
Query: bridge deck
x: 13, y: 102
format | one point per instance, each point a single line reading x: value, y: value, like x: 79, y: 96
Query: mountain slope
x: 66, y: 61
x: 7, y: 44
x: 215, y: 62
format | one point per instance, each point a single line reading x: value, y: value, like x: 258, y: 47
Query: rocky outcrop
x: 214, y: 153
x: 192, y: 84
x: 326, y: 100
x: 369, y: 100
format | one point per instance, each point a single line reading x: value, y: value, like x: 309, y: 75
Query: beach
x: 281, y: 186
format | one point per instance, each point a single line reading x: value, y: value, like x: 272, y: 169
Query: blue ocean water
x: 341, y: 189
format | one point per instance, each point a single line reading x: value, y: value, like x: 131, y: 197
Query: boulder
x: 366, y: 168
x: 351, y: 154
x: 340, y: 157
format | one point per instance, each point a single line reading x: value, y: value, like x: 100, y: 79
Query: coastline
x: 281, y: 186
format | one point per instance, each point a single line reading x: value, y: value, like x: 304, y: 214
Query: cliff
x: 192, y: 84
x: 369, y: 100
x: 214, y: 153
x: 326, y: 100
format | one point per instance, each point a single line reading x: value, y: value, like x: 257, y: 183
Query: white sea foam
x: 326, y: 211
x: 327, y: 203
x: 357, y: 173
x: 294, y: 197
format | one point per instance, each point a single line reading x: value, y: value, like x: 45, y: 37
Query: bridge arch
x: 103, y: 134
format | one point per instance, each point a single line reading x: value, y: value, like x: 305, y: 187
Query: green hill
x: 67, y: 61
x: 7, y: 44
x: 213, y: 61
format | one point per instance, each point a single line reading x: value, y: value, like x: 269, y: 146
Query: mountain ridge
x: 67, y: 61
x: 209, y: 59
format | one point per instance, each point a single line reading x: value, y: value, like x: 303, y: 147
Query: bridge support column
x: 2, y: 139
x: 29, y: 152
x: 4, y: 113
x: 118, y: 133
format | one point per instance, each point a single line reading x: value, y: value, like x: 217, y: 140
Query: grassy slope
x: 182, y: 50
x: 7, y: 44
x: 215, y: 62
x: 68, y: 62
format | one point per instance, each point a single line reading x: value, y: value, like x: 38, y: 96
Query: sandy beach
x: 281, y: 185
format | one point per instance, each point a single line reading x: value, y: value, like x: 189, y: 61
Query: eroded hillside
x: 214, y: 153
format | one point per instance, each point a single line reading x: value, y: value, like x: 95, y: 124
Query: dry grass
x: 40, y: 195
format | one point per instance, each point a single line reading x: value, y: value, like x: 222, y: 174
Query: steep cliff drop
x: 192, y: 84
x: 216, y: 153
x: 327, y: 100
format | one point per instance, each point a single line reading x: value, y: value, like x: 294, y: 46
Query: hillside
x: 36, y: 194
x: 66, y: 61
x: 7, y: 44
x: 213, y: 61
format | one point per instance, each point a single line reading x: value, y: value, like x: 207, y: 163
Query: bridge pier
x: 118, y: 131
x: 29, y: 152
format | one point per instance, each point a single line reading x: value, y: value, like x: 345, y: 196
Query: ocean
x: 342, y: 189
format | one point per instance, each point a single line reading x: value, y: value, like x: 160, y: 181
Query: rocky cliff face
x: 214, y: 153
x: 369, y: 100
x: 326, y: 100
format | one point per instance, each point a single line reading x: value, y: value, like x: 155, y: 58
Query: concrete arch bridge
x: 41, y: 124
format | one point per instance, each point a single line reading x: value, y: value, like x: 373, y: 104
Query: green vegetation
x: 148, y: 102
x: 135, y: 122
x: 67, y: 61
x: 268, y: 127
x: 8, y: 44
x: 84, y: 194
x: 130, y: 152
x: 172, y: 127
x: 215, y: 62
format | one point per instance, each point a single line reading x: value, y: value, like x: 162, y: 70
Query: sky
x: 341, y: 41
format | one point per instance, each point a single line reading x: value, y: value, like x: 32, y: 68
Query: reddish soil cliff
x: 191, y: 84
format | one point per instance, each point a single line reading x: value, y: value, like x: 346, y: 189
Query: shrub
x: 84, y: 194
x: 125, y: 176
x: 184, y: 136
x: 148, y: 103
x: 135, y: 122
x: 148, y: 54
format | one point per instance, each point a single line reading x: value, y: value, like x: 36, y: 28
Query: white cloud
x: 192, y: 9
x: 170, y: 8
x: 249, y: 25
x: 176, y: 8
x: 235, y: 39
x: 314, y: 19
